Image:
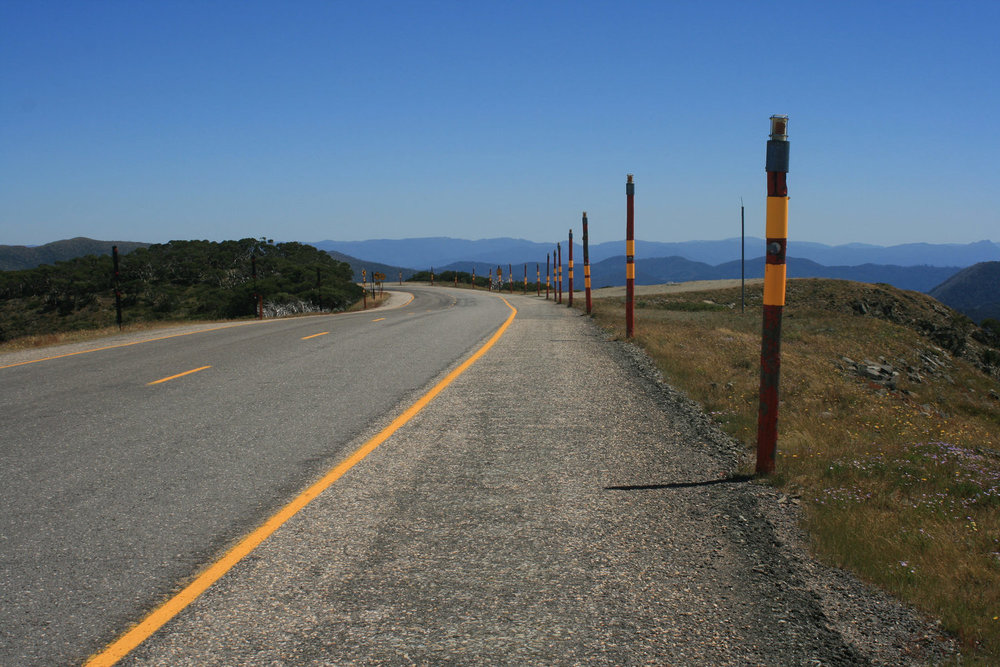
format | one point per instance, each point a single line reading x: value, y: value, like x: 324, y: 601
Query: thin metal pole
x: 118, y: 291
x: 743, y: 244
x: 774, y: 293
x: 629, y: 257
x: 258, y: 300
x: 538, y: 280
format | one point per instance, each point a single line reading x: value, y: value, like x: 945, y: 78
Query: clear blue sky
x: 306, y: 121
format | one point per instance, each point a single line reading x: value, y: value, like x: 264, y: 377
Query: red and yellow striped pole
x: 473, y: 277
x: 559, y: 273
x: 586, y: 263
x: 546, y: 276
x: 510, y: 278
x: 538, y: 280
x: 525, y: 289
x: 629, y: 257
x: 570, y: 300
x: 774, y: 293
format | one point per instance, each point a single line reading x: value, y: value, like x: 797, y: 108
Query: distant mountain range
x: 915, y: 266
x: 658, y: 270
x: 974, y: 291
x: 16, y: 257
x: 424, y: 253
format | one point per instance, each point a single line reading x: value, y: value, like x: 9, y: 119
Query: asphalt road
x: 116, y: 491
x: 555, y: 504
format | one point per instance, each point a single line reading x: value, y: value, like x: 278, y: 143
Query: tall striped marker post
x: 546, y: 276
x: 473, y: 277
x: 432, y: 276
x: 555, y: 276
x: 510, y: 277
x: 559, y: 273
x: 538, y: 280
x: 570, y: 300
x: 525, y: 289
x: 629, y: 257
x: 774, y: 293
x: 586, y: 263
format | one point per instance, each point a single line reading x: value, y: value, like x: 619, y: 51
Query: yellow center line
x: 158, y: 617
x: 323, y: 333
x: 379, y: 319
x: 179, y: 375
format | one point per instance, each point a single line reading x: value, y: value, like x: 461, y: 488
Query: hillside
x: 176, y: 280
x: 974, y: 291
x: 888, y: 430
x: 392, y: 273
x: 17, y: 257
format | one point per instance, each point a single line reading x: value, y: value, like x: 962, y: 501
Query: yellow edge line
x: 179, y: 375
x: 158, y: 617
x: 315, y: 335
x: 379, y: 319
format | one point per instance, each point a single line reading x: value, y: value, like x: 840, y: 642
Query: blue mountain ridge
x: 426, y: 253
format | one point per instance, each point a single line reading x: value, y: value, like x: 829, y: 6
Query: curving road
x: 116, y: 490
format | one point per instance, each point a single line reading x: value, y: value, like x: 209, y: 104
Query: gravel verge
x: 557, y: 504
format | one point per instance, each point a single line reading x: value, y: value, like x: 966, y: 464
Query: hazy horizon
x: 577, y: 240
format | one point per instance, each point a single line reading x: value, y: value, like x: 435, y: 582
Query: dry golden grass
x: 901, y: 487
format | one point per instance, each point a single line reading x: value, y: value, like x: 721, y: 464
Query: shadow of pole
x: 734, y: 479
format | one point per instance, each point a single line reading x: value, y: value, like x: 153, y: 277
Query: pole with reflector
x: 774, y: 293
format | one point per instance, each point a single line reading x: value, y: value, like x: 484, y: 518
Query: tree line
x: 175, y: 280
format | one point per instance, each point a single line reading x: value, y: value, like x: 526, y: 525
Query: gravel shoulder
x: 556, y: 504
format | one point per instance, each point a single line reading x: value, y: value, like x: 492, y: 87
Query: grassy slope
x: 901, y: 486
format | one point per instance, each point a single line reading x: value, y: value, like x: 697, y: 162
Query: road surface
x: 115, y: 490
x: 553, y: 504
